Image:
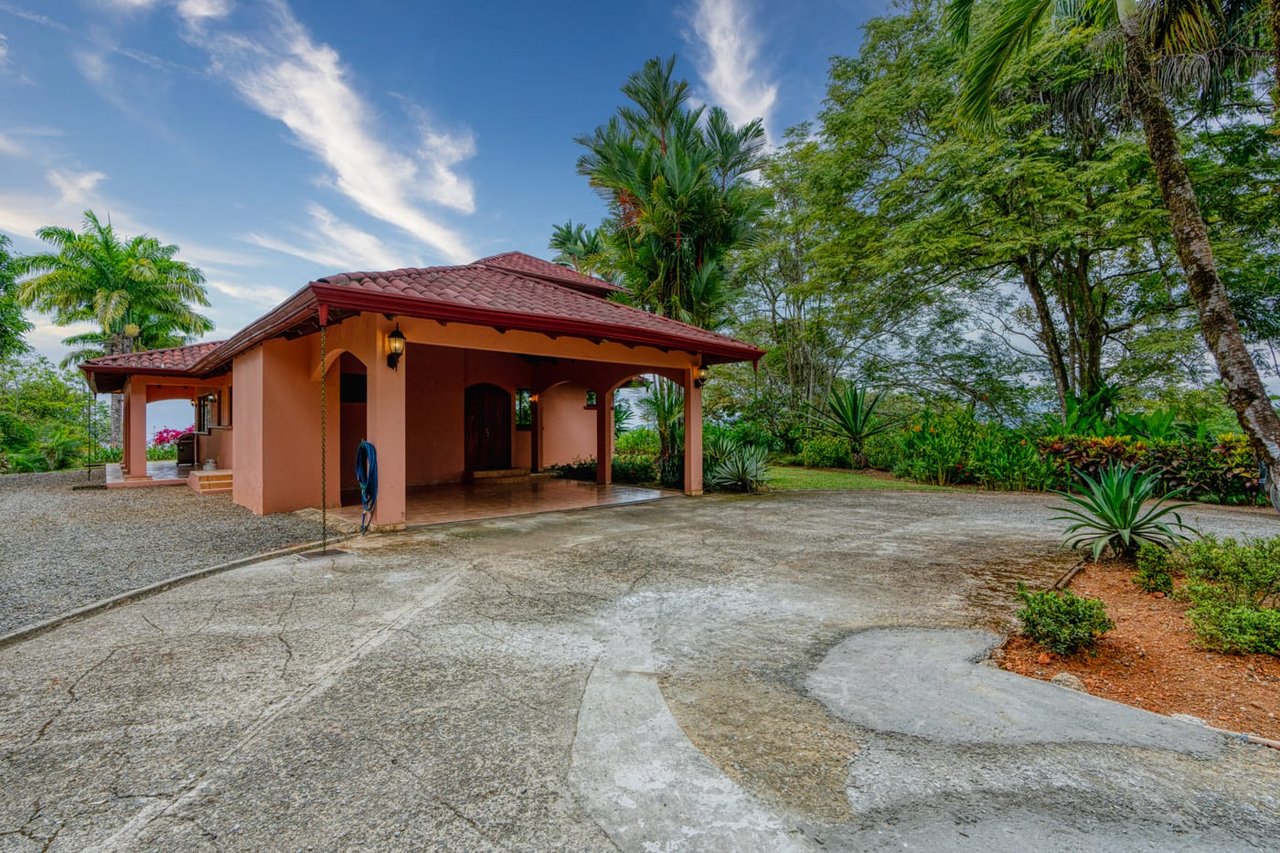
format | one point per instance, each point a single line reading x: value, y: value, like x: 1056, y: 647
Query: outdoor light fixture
x: 703, y: 375
x: 395, y: 348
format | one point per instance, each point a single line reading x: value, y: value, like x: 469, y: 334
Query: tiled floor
x: 468, y: 502
x: 161, y: 474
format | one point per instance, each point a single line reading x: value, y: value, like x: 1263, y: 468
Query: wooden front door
x: 488, y: 428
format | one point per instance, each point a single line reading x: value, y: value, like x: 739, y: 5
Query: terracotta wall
x: 217, y: 444
x: 246, y: 439
x: 568, y: 427
x: 435, y: 390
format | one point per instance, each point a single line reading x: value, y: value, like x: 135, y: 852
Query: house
x: 507, y: 363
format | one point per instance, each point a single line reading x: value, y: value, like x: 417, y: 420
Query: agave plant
x: 743, y: 469
x: 850, y: 413
x: 1112, y: 512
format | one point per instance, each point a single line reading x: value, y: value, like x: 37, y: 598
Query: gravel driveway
x: 791, y: 672
x: 61, y: 549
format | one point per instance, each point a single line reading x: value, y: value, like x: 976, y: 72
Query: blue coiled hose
x: 367, y: 477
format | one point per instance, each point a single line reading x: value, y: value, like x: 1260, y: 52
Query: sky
x: 277, y: 142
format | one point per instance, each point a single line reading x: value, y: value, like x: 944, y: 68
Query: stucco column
x: 136, y: 436
x: 124, y: 431
x: 535, y: 435
x: 604, y: 437
x: 692, y: 433
x: 386, y: 413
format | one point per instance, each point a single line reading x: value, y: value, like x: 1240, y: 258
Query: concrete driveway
x: 787, y: 672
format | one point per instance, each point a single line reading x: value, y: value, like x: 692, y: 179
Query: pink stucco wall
x: 568, y: 426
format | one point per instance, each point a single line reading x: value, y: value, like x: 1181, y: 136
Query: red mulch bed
x: 1150, y: 660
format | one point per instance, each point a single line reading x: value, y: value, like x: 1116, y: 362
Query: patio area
x: 165, y: 473
x: 473, y: 501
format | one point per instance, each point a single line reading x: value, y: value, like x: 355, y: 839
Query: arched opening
x: 488, y: 416
x: 353, y: 421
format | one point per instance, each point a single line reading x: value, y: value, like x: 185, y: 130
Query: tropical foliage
x: 1112, y: 513
x: 850, y: 414
x: 1063, y: 622
x: 45, y: 415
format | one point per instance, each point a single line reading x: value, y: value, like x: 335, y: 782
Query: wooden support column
x: 386, y: 429
x: 604, y: 437
x: 692, y: 433
x: 136, y: 437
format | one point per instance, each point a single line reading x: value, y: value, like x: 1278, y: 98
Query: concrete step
x: 499, y: 474
x: 211, y: 482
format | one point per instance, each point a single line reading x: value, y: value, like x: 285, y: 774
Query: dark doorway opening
x: 488, y: 428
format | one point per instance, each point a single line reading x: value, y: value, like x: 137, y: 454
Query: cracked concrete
x: 744, y: 673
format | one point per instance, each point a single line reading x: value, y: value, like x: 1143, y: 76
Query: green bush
x: 883, y: 450
x: 578, y: 469
x: 1214, y: 470
x: 1062, y: 622
x: 634, y: 468
x: 793, y: 459
x: 1234, y: 588
x: 1003, y: 460
x: 1115, y: 512
x: 1153, y: 573
x: 643, y: 440
x: 1241, y: 629
x: 935, y: 447
x: 825, y: 451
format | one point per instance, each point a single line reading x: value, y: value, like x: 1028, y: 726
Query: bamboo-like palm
x: 677, y: 192
x: 135, y: 290
x: 1148, y: 32
x: 582, y: 249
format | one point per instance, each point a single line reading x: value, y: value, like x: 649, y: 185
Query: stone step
x: 499, y: 473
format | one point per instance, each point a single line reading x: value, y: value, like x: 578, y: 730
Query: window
x: 206, y: 412
x: 524, y: 408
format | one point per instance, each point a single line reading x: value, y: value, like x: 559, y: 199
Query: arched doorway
x: 487, y: 428
x: 353, y: 423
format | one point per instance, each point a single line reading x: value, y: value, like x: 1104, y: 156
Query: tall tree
x: 676, y: 182
x: 581, y: 248
x: 13, y: 325
x: 1146, y: 32
x: 136, y: 291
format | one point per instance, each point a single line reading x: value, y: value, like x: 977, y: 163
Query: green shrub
x: 883, y: 450
x: 825, y: 451
x: 1241, y: 629
x: 643, y: 440
x: 743, y: 469
x: 1238, y: 573
x: 793, y: 459
x: 1000, y: 459
x: 935, y: 447
x: 1234, y: 589
x: 1062, y: 622
x: 1153, y: 573
x: 634, y: 468
x: 578, y: 469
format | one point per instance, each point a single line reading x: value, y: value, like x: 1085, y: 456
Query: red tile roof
x: 519, y: 262
x: 174, y: 359
x: 511, y: 291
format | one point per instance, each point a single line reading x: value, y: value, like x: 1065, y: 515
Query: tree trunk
x: 1048, y: 334
x: 115, y: 345
x: 1245, y: 391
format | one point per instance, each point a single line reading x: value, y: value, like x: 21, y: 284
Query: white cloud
x: 729, y: 61
x: 10, y: 147
x: 4, y: 51
x: 195, y: 10
x: 257, y: 294
x: 334, y: 243
x: 93, y: 65
x: 282, y: 72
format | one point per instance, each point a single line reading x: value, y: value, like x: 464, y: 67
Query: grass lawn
x: 787, y: 478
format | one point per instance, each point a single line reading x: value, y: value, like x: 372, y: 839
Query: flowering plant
x: 166, y: 437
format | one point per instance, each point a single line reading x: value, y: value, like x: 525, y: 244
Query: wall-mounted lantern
x: 395, y: 348
x: 701, y: 378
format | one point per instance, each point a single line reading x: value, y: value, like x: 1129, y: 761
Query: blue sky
x: 276, y: 142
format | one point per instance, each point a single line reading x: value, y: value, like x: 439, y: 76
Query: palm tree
x: 581, y: 248
x: 134, y: 289
x: 13, y: 325
x: 678, y: 194
x: 1147, y: 32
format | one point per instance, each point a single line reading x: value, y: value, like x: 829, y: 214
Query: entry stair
x: 210, y: 482
x: 507, y: 476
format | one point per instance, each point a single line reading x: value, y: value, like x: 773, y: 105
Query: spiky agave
x: 1112, y: 512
